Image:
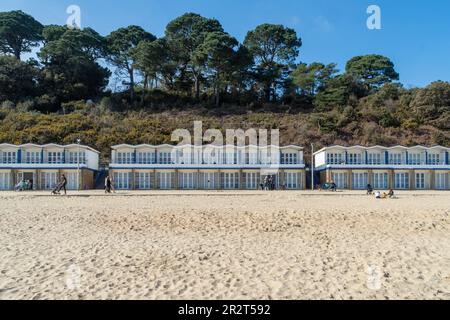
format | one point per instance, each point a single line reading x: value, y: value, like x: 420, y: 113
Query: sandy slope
x: 252, y: 245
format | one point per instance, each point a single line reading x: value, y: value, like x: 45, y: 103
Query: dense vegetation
x: 197, y: 71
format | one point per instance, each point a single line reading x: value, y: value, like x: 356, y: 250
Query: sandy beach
x: 224, y: 245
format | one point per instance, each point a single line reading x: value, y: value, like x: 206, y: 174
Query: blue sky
x: 415, y: 34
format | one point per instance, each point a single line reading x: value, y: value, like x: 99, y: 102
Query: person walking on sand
x: 113, y: 188
x: 333, y: 186
x: 108, y: 184
x: 19, y: 186
x: 62, y: 185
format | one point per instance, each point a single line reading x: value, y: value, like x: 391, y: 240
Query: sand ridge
x: 224, y: 245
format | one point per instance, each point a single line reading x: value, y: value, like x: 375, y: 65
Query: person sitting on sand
x: 377, y: 195
x: 369, y: 189
x: 384, y: 195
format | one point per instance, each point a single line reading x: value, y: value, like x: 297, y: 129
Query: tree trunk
x: 145, y: 89
x: 17, y: 53
x: 217, y: 96
x: 268, y: 92
x: 274, y: 93
x: 131, y: 71
x: 197, y: 88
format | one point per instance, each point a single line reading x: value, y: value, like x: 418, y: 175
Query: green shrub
x: 387, y: 120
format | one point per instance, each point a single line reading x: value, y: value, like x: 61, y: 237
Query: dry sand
x: 224, y: 245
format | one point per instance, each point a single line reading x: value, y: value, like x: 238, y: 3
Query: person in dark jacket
x: 61, y: 186
x: 108, y: 184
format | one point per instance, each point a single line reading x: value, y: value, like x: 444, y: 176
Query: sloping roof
x: 49, y: 145
x: 202, y: 146
x: 380, y: 147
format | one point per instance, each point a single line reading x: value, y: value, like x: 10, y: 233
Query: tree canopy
x: 18, y: 79
x: 122, y: 44
x: 313, y: 78
x: 197, y: 69
x: 274, y: 48
x: 217, y: 54
x: 70, y: 68
x: 184, y: 36
x: 372, y: 70
x: 19, y: 33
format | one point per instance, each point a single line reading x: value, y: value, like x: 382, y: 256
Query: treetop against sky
x: 412, y: 34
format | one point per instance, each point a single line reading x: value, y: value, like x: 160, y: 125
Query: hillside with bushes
x: 132, y: 87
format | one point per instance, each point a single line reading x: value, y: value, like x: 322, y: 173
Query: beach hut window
x: 289, y: 158
x: 420, y: 180
x: 401, y: 180
x: 355, y: 158
x: 334, y: 158
x: 33, y: 157
x: 165, y: 158
x: 291, y: 180
x: 433, y: 158
x: 252, y: 180
x: 380, y: 180
x: 165, y: 180
x: 8, y: 157
x: 143, y: 181
x: 146, y: 158
x: 414, y: 159
x: 187, y: 180
x: 359, y: 181
x: 374, y: 158
x: 340, y: 179
x: 442, y: 181
x: 395, y: 158
x: 50, y: 180
x: 209, y: 180
x: 72, y: 178
x: 122, y: 180
x: 253, y: 157
x: 124, y: 157
x: 230, y: 157
x: 5, y: 181
x: 73, y: 157
x: 230, y: 180
x: 54, y: 157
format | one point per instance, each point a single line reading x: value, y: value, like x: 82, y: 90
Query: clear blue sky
x: 415, y: 34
